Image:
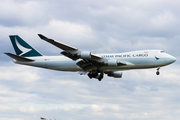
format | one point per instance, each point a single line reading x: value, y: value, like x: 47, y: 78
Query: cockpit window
x: 162, y: 51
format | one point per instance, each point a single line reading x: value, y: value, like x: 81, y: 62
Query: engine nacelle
x: 111, y: 63
x: 115, y: 74
x: 85, y: 55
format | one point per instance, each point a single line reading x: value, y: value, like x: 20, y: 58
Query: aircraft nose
x: 172, y: 59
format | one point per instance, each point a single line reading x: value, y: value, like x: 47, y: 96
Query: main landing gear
x: 100, y: 77
x: 157, y: 73
x: 96, y: 74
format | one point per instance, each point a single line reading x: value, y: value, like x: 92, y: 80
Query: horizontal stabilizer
x: 19, y: 58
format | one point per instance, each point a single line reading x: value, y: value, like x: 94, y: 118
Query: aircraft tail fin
x: 22, y: 48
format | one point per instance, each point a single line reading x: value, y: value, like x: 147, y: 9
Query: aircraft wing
x: 89, y: 60
x: 71, y: 52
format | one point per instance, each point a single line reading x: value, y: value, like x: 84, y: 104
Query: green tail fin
x: 22, y: 48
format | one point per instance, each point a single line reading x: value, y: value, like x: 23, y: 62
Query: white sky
x: 106, y: 26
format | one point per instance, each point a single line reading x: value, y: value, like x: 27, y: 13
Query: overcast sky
x: 106, y: 26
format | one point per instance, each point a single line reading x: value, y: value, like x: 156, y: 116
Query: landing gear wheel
x: 100, y: 77
x: 157, y: 73
x: 90, y: 75
x: 96, y: 74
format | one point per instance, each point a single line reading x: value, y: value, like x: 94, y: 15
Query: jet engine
x: 111, y: 63
x: 116, y: 74
x: 84, y: 55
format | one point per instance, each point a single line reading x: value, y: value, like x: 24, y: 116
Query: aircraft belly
x: 54, y: 65
x: 107, y: 68
x: 69, y: 68
x: 63, y: 66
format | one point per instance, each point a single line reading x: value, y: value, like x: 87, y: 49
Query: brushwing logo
x: 21, y: 48
x: 156, y: 58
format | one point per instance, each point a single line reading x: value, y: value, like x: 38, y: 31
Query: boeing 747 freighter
x: 85, y: 62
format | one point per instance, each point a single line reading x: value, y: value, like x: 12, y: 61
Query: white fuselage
x: 135, y: 60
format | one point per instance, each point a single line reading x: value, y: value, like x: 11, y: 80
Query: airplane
x: 43, y: 118
x: 85, y: 62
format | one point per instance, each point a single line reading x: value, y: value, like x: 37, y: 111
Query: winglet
x: 42, y: 37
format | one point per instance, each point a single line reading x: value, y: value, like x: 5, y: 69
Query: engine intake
x: 115, y: 74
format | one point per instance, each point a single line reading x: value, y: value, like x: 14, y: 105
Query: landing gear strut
x: 157, y: 73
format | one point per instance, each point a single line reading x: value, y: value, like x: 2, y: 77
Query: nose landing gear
x: 157, y: 73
